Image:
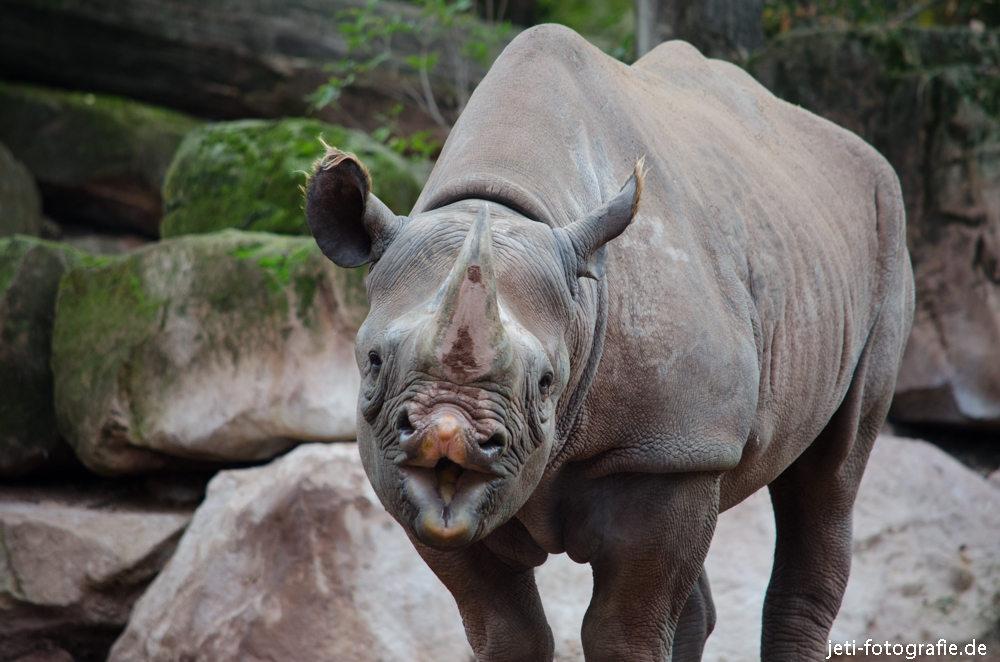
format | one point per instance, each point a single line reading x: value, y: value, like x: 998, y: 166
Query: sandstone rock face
x: 30, y: 270
x: 926, y: 535
x: 222, y: 348
x: 100, y: 243
x: 47, y: 654
x: 295, y: 561
x: 249, y: 174
x: 20, y: 206
x: 99, y: 160
x: 72, y: 565
x: 926, y: 532
x: 298, y: 561
x: 929, y: 101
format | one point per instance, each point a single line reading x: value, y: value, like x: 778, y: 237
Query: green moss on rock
x: 99, y: 160
x: 143, y: 338
x: 248, y: 175
x: 30, y: 270
x: 69, y: 137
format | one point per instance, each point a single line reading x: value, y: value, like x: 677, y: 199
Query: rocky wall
x: 99, y: 160
x: 929, y: 100
x: 30, y: 270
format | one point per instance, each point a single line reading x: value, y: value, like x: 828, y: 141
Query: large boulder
x: 99, y: 160
x: 249, y: 175
x: 30, y: 270
x: 72, y: 564
x: 296, y: 561
x: 925, y: 567
x: 299, y: 561
x: 20, y: 205
x: 929, y: 100
x: 220, y: 348
x: 926, y: 531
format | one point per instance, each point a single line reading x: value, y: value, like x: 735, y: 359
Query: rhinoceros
x: 627, y: 298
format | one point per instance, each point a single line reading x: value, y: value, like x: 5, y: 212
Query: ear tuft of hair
x: 350, y: 224
x: 334, y: 157
x: 640, y: 178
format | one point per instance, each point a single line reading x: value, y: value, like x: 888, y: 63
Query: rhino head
x: 468, y: 347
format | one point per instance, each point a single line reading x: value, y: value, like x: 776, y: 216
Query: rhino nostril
x: 403, y: 425
x: 495, y: 445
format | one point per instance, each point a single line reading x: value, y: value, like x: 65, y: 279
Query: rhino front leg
x: 493, y: 582
x: 653, y: 532
x: 696, y: 622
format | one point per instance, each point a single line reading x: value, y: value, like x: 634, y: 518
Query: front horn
x: 469, y: 339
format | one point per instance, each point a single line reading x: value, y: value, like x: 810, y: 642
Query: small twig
x: 910, y: 13
x: 425, y: 83
x: 415, y: 95
x: 461, y: 77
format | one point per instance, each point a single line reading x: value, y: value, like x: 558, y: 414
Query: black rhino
x: 531, y: 387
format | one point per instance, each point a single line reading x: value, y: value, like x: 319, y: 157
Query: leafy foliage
x: 369, y: 32
x: 247, y: 175
x: 783, y: 15
x: 418, y: 146
x: 611, y: 21
x: 369, y: 37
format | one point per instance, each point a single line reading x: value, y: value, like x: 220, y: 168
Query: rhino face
x: 465, y: 352
x: 463, y: 357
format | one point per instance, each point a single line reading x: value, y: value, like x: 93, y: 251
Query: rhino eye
x: 375, y: 360
x: 544, y: 383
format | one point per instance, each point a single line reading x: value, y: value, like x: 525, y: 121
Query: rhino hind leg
x: 696, y: 622
x: 813, y: 501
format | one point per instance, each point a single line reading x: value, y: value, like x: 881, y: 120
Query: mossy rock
x: 248, y: 175
x: 99, y: 159
x: 30, y: 270
x: 217, y: 348
x: 20, y: 206
x: 67, y: 137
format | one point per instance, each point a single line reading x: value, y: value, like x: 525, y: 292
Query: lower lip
x: 440, y: 525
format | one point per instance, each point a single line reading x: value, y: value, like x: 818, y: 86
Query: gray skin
x: 531, y: 387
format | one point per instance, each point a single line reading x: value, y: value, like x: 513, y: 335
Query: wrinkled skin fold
x: 627, y: 298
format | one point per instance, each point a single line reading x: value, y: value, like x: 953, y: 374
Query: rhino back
x: 742, y: 295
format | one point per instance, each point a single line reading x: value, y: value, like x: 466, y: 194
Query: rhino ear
x: 600, y: 226
x: 351, y: 226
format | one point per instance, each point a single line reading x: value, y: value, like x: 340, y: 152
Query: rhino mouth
x: 449, y: 499
x: 448, y: 475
